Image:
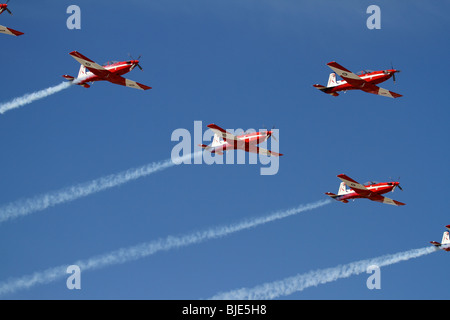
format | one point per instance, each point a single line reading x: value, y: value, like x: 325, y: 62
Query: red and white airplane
x: 366, y: 81
x: 247, y: 142
x: 372, y: 191
x: 4, y: 7
x: 445, y: 243
x: 110, y: 72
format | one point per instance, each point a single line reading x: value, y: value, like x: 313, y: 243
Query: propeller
x: 9, y: 11
x: 275, y: 138
x: 398, y: 185
x: 137, y: 64
x: 393, y: 75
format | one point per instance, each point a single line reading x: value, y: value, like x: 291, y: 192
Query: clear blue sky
x: 239, y: 65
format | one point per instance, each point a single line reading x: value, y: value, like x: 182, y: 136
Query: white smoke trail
x: 27, y: 206
x: 272, y: 290
x: 30, y: 97
x: 146, y: 249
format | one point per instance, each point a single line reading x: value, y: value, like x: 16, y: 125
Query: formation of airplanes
x: 223, y: 141
x: 12, y: 32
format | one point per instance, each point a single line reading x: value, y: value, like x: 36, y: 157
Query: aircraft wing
x: 93, y: 67
x: 359, y: 83
x: 114, y: 78
x: 10, y: 31
x: 356, y: 186
x: 379, y: 198
x: 221, y: 132
x: 259, y: 150
x: 101, y: 72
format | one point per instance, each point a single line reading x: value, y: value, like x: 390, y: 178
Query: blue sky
x: 240, y: 65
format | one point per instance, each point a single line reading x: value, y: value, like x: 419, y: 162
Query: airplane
x: 12, y: 32
x: 372, y: 191
x: 366, y: 81
x: 91, y: 71
x: 247, y: 142
x: 445, y: 245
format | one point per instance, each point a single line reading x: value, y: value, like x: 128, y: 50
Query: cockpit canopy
x: 364, y: 72
x: 110, y: 63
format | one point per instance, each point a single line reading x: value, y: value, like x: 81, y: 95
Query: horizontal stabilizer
x: 335, y: 196
x: 70, y: 78
x: 210, y: 149
x: 325, y: 90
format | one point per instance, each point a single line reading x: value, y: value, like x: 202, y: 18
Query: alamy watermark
x: 374, y: 21
x: 74, y: 280
x: 74, y: 20
x: 373, y: 281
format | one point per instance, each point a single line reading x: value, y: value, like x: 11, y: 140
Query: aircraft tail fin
x: 445, y: 238
x: 332, y: 80
x: 342, y: 188
x: 82, y: 71
x: 216, y: 141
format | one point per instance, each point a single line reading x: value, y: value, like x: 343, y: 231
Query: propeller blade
x: 275, y: 138
x: 400, y: 187
x: 9, y: 11
x: 140, y: 67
